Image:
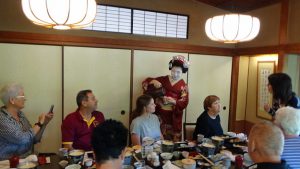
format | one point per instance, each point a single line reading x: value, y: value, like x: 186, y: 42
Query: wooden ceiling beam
x: 239, y: 5
x: 67, y: 40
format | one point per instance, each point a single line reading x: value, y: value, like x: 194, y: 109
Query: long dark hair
x: 282, y: 87
x: 141, y: 102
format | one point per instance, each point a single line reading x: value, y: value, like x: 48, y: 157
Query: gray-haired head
x: 266, y: 138
x: 288, y: 119
x: 10, y: 91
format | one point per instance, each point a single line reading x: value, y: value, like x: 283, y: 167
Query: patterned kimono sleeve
x: 146, y: 82
x: 183, y: 100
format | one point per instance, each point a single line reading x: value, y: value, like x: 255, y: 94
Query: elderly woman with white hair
x: 288, y: 119
x: 17, y: 136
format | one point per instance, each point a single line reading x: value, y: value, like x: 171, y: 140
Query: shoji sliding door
x: 209, y: 75
x: 38, y: 69
x: 106, y: 72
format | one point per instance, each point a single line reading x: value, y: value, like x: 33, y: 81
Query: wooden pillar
x: 283, y: 30
x: 234, y: 90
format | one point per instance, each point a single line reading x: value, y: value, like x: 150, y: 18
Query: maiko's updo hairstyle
x: 179, y: 61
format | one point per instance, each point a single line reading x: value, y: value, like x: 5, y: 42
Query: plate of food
x: 236, y: 140
x: 147, y: 141
x: 230, y: 134
x: 27, y: 165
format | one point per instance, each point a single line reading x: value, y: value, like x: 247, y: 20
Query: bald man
x: 266, y: 145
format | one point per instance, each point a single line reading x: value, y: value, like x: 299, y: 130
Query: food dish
x: 231, y: 134
x: 178, y: 163
x: 129, y: 149
x: 137, y: 147
x: 167, y: 142
x: 236, y: 140
x: 148, y: 141
x: 73, y: 166
x: 166, y: 156
x: 76, y: 153
x: 27, y: 165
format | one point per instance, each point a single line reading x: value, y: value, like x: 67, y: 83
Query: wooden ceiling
x: 239, y: 5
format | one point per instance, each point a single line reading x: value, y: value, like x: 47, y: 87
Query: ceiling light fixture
x: 232, y: 28
x: 60, y: 14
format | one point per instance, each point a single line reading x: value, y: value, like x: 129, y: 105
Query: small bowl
x: 176, y: 154
x: 88, y: 162
x: 76, y: 156
x: 167, y: 146
x: 166, y: 156
x: 188, y: 163
x: 185, y: 154
x: 73, y: 166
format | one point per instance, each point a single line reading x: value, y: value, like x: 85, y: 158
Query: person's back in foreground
x: 266, y: 145
x: 109, y: 140
x: 288, y: 119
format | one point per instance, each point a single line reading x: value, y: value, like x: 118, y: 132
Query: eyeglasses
x: 17, y: 97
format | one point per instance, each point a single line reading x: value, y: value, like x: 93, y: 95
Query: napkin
x: 242, y: 136
x: 30, y: 158
x: 169, y: 165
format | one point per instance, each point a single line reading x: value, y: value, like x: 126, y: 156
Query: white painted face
x: 176, y: 73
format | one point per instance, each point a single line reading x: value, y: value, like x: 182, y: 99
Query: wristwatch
x: 39, y: 124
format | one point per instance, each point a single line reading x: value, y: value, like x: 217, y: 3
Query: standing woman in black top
x: 280, y: 85
x: 208, y: 123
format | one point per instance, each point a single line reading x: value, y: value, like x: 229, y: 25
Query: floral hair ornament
x: 181, y: 59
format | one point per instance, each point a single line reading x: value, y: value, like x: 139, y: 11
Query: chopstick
x: 210, y: 162
x: 133, y: 154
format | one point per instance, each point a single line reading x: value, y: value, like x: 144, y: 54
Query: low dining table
x: 55, y: 159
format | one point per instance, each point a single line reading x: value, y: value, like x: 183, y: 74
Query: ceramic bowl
x: 166, y: 156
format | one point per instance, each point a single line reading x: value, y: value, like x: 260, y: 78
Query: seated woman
x: 208, y: 123
x: 144, y: 124
x: 17, y: 135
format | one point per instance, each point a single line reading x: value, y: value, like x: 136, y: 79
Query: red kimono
x: 171, y: 115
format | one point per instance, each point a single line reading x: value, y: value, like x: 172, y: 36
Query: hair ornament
x: 181, y: 59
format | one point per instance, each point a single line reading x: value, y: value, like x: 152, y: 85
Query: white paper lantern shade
x: 232, y: 28
x: 60, y: 14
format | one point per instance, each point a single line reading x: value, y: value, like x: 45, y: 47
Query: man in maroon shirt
x: 78, y: 126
